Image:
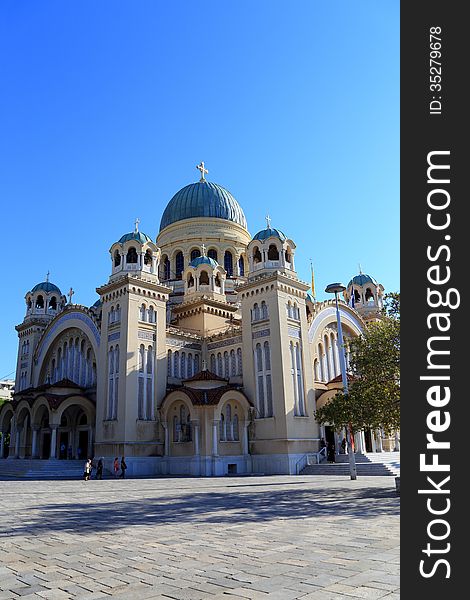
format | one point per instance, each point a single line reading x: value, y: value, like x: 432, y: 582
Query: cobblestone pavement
x: 278, y: 538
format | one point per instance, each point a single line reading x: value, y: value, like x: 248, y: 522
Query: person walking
x: 116, y: 467
x: 123, y: 468
x: 331, y: 452
x: 99, y: 469
x: 87, y: 470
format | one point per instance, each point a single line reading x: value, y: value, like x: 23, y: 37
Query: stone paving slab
x: 274, y: 538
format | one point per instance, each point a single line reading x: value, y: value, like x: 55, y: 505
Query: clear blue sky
x: 106, y: 108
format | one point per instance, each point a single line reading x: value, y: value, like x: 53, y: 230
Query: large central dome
x: 203, y: 199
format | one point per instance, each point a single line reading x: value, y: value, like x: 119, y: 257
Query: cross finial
x: 203, y: 249
x: 268, y: 221
x: 360, y: 269
x: 203, y: 170
x: 70, y: 294
x: 47, y: 276
x: 137, y: 221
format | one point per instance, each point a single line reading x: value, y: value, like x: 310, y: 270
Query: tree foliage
x: 374, y: 393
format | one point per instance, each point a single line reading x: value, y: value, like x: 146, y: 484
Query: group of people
x: 94, y: 470
x: 331, y: 450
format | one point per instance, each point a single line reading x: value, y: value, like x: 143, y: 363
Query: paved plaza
x: 190, y: 539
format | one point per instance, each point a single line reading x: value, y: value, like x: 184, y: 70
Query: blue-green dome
x: 138, y: 236
x: 264, y: 234
x: 46, y: 286
x: 362, y: 279
x: 97, y: 304
x: 203, y: 199
x: 203, y: 260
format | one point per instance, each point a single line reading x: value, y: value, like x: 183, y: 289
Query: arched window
x: 166, y: 268
x: 256, y: 255
x: 169, y: 363
x: 235, y: 428
x: 357, y: 296
x: 176, y: 364
x: 141, y: 358
x: 241, y: 266
x: 196, y: 363
x: 255, y: 312
x: 213, y: 365
x: 204, y: 278
x: 228, y: 263
x: 117, y: 258
x: 273, y: 252
x: 212, y: 253
x: 190, y: 365
x: 151, y: 314
x: 40, y: 302
x: 228, y: 422
x: 369, y: 294
x: 233, y: 364
x: 131, y: 257
x: 196, y: 253
x: 264, y: 310
x: 226, y: 366
x: 239, y: 361
x: 220, y: 372
x: 179, y: 265
x: 142, y: 312
x: 148, y: 258
x: 53, y: 303
x: 260, y: 378
x: 190, y: 280
x: 267, y: 372
x: 288, y: 255
x: 217, y: 280
x: 118, y: 313
x: 183, y: 365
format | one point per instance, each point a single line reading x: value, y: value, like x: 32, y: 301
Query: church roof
x: 204, y: 260
x: 138, y: 236
x: 264, y: 234
x: 361, y: 279
x: 205, y: 375
x: 46, y: 286
x: 202, y: 199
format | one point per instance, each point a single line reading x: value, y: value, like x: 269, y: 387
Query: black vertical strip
x: 427, y: 128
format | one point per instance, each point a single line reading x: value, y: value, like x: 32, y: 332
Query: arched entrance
x: 5, y: 432
x: 23, y: 438
x: 75, y: 434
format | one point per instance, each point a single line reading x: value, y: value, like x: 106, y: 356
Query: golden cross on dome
x: 137, y: 221
x: 203, y: 249
x: 203, y: 170
x: 70, y: 294
x: 268, y: 221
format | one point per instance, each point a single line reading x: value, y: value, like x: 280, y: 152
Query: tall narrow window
x: 131, y: 257
x: 179, y: 265
x: 196, y: 253
x: 212, y: 254
x: 260, y: 378
x: 149, y: 386
x: 226, y: 366
x: 141, y: 384
x: 239, y: 361
x: 228, y: 263
x: 233, y: 364
x: 241, y: 266
x: 169, y: 363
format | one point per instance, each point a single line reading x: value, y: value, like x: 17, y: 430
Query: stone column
x: 34, y: 443
x: 166, y: 447
x: 90, y: 442
x: 397, y: 443
x: 379, y: 440
x: 245, y: 442
x: 372, y: 437
x: 53, y: 441
x: 17, y: 441
x: 196, y: 437
x: 215, y: 429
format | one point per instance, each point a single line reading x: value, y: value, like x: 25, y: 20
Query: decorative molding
x: 72, y: 315
x: 261, y: 333
x: 228, y: 342
x: 143, y: 334
x: 114, y: 336
x: 182, y: 344
x: 294, y: 332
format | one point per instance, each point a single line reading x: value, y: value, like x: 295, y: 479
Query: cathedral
x: 204, y: 355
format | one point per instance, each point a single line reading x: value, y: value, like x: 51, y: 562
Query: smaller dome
x: 203, y: 260
x: 46, y: 286
x: 138, y: 236
x: 264, y: 234
x: 361, y: 279
x: 97, y: 304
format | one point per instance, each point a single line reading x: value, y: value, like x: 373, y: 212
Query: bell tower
x: 43, y: 303
x: 132, y: 381
x: 277, y: 370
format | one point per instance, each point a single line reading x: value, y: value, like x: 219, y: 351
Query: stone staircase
x: 41, y: 469
x: 369, y: 464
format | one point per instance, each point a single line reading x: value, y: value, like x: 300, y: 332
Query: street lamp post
x: 336, y: 288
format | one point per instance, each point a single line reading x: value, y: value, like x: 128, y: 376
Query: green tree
x: 374, y: 392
